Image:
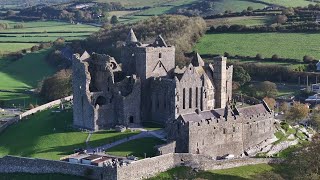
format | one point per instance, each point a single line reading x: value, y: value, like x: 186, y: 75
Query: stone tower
x: 220, y: 81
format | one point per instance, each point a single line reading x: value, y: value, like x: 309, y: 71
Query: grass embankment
x: 285, y: 45
x: 136, y: 148
x: 241, y: 173
x: 49, y: 135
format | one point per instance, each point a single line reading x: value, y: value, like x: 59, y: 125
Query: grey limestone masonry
x: 11, y: 164
x: 193, y: 102
x: 145, y: 85
x: 137, y: 170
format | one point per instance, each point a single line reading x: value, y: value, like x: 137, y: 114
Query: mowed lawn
x: 136, y: 148
x: 239, y: 173
x: 50, y: 135
x: 286, y: 45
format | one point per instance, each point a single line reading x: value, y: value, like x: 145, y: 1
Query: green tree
x: 305, y: 163
x: 281, y: 19
x: 297, y: 112
x: 315, y: 119
x: 267, y: 89
x: 57, y: 86
x: 283, y: 107
x: 240, y: 75
x: 114, y: 20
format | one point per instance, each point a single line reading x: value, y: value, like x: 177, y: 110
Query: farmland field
x: 33, y: 32
x: 244, y: 20
x: 286, y: 45
x: 289, y: 3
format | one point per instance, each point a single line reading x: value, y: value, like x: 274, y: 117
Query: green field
x: 49, y: 135
x: 243, y: 20
x: 138, y: 3
x: 136, y: 147
x: 239, y: 173
x: 12, y: 40
x: 6, y: 48
x: 286, y: 45
x: 109, y: 136
x: 235, y: 5
x: 289, y: 3
x: 21, y: 75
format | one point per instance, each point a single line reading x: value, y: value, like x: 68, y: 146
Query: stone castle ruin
x: 145, y: 85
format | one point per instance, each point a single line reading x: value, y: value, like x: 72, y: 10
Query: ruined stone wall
x: 146, y: 168
x: 167, y: 148
x: 205, y: 163
x: 162, y: 103
x: 128, y: 105
x: 220, y: 81
x: 11, y: 164
x: 159, y: 58
x: 150, y: 167
x: 179, y: 132
x: 137, y: 170
x: 83, y: 110
x: 229, y: 83
x: 190, y: 92
x: 216, y: 137
x: 257, y: 129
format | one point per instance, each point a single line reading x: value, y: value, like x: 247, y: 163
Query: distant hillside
x: 28, y: 3
x: 180, y: 31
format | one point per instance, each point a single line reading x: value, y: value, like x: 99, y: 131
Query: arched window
x: 101, y: 101
x: 184, y: 98
x: 190, y: 97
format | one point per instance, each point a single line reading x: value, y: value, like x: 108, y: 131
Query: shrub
x: 18, y: 26
x: 275, y: 57
x: 34, y: 48
x: 259, y: 57
x: 308, y: 59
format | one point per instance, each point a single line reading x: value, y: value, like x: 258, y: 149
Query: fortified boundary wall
x: 34, y: 110
x: 141, y: 169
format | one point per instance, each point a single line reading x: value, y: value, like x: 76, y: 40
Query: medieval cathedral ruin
x: 145, y: 85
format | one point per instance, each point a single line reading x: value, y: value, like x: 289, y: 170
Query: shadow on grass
x: 137, y: 147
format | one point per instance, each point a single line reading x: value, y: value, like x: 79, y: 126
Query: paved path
x: 144, y: 134
x: 88, y: 138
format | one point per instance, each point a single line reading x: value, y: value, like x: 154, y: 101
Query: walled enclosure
x: 137, y: 170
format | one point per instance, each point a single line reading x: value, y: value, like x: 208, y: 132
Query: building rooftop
x: 93, y: 157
